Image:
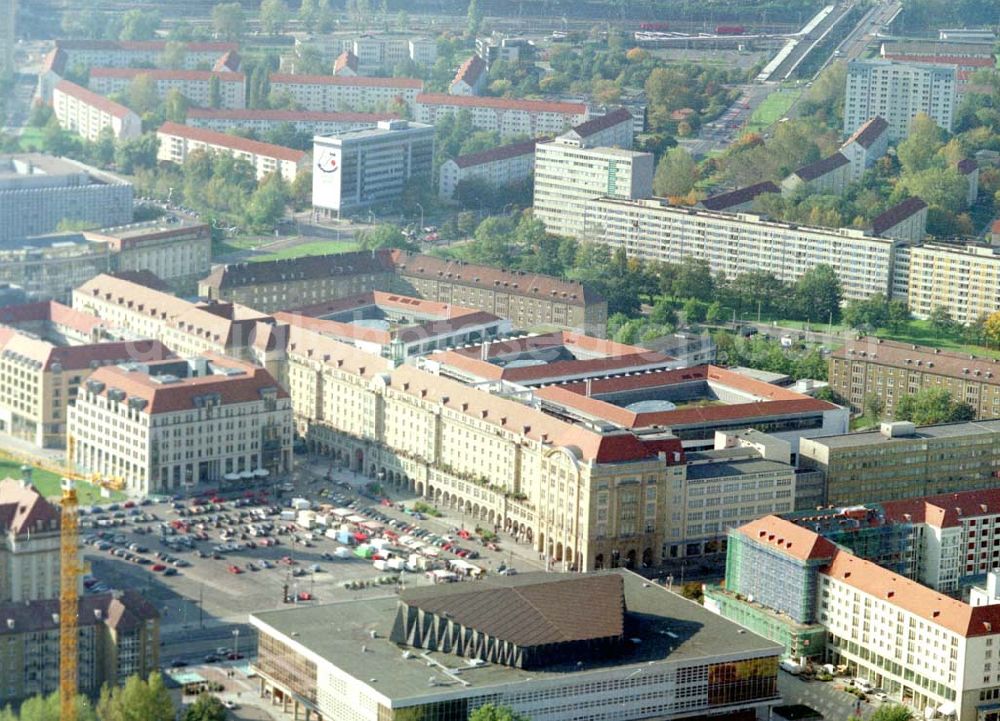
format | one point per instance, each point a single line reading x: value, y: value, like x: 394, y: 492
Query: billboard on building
x: 326, y: 176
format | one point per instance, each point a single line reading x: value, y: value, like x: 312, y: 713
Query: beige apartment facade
x: 965, y: 280
x: 326, y: 93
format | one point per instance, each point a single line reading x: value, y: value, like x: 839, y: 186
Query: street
x: 827, y: 697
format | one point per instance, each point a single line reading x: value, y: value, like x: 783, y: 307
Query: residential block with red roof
x: 328, y: 93
x: 87, y: 113
x: 504, y: 115
x: 266, y: 120
x: 195, y: 85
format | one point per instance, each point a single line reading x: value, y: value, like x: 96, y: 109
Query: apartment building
x: 471, y: 77
x: 965, y: 57
x: 178, y: 141
x: 165, y: 426
x: 86, y: 113
x: 866, y: 145
x: 195, y: 85
x: 38, y: 191
x: 29, y: 545
x: 897, y: 92
x: 379, y: 54
x: 568, y: 177
x: 886, y: 371
x: 969, y: 169
x: 362, y: 168
x: 506, y: 116
x: 739, y: 200
x: 132, y: 53
x: 119, y: 637
x: 46, y: 351
x: 907, y: 221
x: 964, y: 279
x: 265, y: 121
x: 734, y: 244
x: 827, y: 176
x: 326, y: 93
x: 498, y: 168
x: 901, y: 461
x: 346, y: 65
x: 713, y: 667
x: 615, y: 129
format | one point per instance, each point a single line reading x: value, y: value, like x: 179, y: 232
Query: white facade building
x: 86, y: 113
x: 264, y: 121
x: 568, y: 177
x: 498, y: 168
x: 470, y: 78
x: 134, y: 53
x: 366, y: 167
x: 195, y: 85
x: 897, y: 92
x: 326, y: 93
x: 868, y: 143
x: 506, y: 116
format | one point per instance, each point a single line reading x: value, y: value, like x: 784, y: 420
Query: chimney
x: 589, y: 382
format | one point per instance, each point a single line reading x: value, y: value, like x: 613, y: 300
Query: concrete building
x: 545, y: 666
x: 265, y: 121
x: 961, y: 278
x: 739, y: 200
x: 46, y: 351
x: 195, y: 85
x: 615, y: 129
x: 736, y: 243
x: 165, y: 426
x: 471, y: 77
x: 965, y: 57
x: 326, y: 93
x: 900, y: 461
x: 905, y: 221
x: 506, y: 116
x: 969, y: 169
x: 362, y: 168
x: 888, y: 370
x: 87, y: 54
x: 48, y: 267
x: 897, y: 92
x: 38, y: 191
x: 381, y: 54
x: 568, y: 177
x: 866, y: 145
x: 503, y: 48
x: 828, y: 176
x: 503, y: 167
x: 119, y: 637
x: 178, y: 141
x: 86, y: 113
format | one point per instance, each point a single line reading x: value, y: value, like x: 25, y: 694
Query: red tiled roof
x: 23, y: 510
x: 229, y: 61
x: 166, y: 74
x: 92, y: 99
x: 493, y: 155
x: 144, y: 45
x: 943, y: 60
x: 53, y: 312
x: 470, y: 71
x: 868, y: 133
x: 897, y: 214
x: 789, y: 538
x: 403, y: 83
x: 179, y: 396
x: 225, y: 140
x: 532, y: 106
x: 945, y: 510
x: 289, y: 116
x: 55, y: 61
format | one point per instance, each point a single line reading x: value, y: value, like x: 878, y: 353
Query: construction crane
x: 69, y: 573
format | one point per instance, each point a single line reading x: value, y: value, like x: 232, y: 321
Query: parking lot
x: 208, y: 562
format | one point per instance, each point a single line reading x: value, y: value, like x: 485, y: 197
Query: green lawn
x: 920, y: 332
x: 49, y: 484
x: 321, y: 247
x: 772, y: 109
x: 32, y: 138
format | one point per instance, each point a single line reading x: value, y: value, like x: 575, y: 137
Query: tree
x: 308, y: 13
x: 663, y: 313
x: 924, y: 140
x: 175, y: 106
x: 676, y: 173
x: 892, y: 712
x: 142, y: 94
x: 817, y: 294
x: 267, y: 203
x: 694, y: 280
x: 991, y: 328
x: 869, y: 314
x: 137, y: 700
x: 206, y: 708
x: 41, y: 113
x: 214, y: 92
x: 694, y: 310
x: 137, y: 153
x: 384, y: 236
x: 489, y: 712
x: 174, y: 55
x: 139, y: 25
x: 102, y: 151
x: 943, y: 188
x: 714, y: 313
x: 46, y: 708
x: 941, y: 320
x: 274, y: 15
x: 228, y: 20
x: 473, y: 18
x: 492, y: 242
x: 873, y: 407
x: 932, y: 405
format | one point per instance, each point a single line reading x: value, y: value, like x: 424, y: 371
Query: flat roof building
x: 362, y: 168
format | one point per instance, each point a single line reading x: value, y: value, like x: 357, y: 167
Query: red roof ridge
x: 93, y: 99
x: 407, y: 83
x: 167, y: 74
x: 538, y: 106
x: 225, y: 140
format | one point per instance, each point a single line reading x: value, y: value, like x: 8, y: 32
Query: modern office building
x: 165, y: 426
x: 362, y: 168
x: 901, y: 461
x: 498, y: 168
x: 178, y: 141
x: 471, y: 77
x: 654, y: 230
x: 569, y: 176
x: 964, y: 279
x: 46, y: 352
x: 327, y: 93
x: 534, y: 118
x: 897, y: 92
x: 38, y: 191
x: 886, y: 371
x: 195, y: 85
x: 265, y: 121
x: 866, y: 145
x: 86, y: 113
x: 119, y: 637
x: 552, y: 648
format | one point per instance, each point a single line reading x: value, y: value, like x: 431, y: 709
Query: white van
x: 862, y: 685
x: 790, y: 666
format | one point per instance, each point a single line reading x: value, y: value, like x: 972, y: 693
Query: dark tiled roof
x: 502, y: 153
x: 967, y: 166
x: 932, y: 362
x: 596, y: 125
x: 306, y: 268
x: 532, y: 609
x: 123, y: 611
x: 145, y: 278
x: 738, y: 197
x: 869, y: 132
x: 822, y: 167
x: 897, y: 214
x: 23, y: 510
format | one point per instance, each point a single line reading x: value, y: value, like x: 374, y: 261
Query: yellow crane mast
x: 69, y: 572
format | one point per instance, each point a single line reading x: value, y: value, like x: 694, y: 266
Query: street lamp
x: 236, y: 644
